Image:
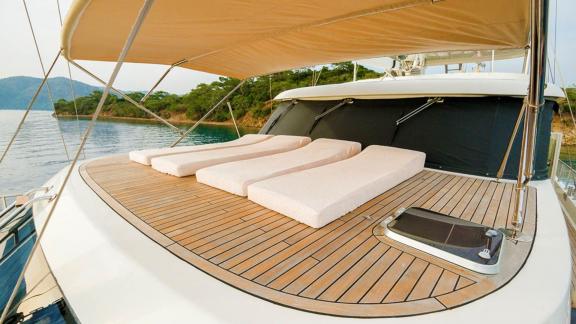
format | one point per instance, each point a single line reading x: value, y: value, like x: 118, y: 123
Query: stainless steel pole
x: 135, y: 28
x: 161, y: 79
x: 504, y: 162
x: 208, y: 113
x: 127, y: 98
x: 537, y: 77
x: 233, y: 119
x: 535, y: 99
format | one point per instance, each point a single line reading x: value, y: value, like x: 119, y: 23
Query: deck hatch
x: 473, y: 246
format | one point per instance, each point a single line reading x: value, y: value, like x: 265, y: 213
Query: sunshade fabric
x: 256, y: 37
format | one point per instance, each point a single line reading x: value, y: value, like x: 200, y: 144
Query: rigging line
x: 71, y: 83
x: 161, y: 79
x: 555, y: 38
x: 208, y: 113
x: 16, y: 305
x: 563, y: 87
x: 44, y: 73
x: 126, y: 97
x: 504, y: 162
x: 134, y: 31
x: 30, y: 104
x: 233, y: 119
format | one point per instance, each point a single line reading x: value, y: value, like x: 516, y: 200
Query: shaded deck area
x: 345, y: 268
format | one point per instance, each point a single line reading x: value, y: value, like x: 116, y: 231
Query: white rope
x: 233, y: 119
x: 208, y: 113
x: 44, y: 74
x: 71, y: 82
x: 563, y: 87
x: 126, y: 97
x: 30, y: 104
x: 141, y: 15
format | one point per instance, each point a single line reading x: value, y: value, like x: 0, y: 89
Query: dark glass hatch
x: 451, y: 238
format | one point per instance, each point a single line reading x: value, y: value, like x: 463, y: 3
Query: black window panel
x: 379, y: 129
x: 467, y: 135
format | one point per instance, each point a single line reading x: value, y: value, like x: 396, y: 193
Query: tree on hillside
x: 253, y: 97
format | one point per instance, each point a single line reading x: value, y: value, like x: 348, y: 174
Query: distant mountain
x: 16, y: 92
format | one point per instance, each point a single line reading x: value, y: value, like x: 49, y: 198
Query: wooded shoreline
x: 154, y: 121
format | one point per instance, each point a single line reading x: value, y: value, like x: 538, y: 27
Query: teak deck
x: 342, y: 269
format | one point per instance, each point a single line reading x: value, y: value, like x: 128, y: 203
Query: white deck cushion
x: 186, y: 164
x: 235, y: 177
x: 145, y: 156
x: 321, y: 195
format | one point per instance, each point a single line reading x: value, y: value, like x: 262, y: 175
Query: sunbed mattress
x: 235, y: 177
x: 145, y: 156
x: 321, y: 195
x: 186, y: 164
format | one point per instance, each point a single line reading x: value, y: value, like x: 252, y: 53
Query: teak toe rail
x: 342, y: 269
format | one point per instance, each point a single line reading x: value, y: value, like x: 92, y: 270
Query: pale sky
x: 18, y: 56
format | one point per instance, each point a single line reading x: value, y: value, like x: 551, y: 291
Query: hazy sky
x: 18, y: 56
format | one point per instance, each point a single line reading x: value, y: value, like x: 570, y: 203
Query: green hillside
x: 252, y: 102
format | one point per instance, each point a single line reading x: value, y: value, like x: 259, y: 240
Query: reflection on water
x: 38, y: 152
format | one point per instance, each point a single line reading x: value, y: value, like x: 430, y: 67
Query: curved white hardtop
x: 428, y: 85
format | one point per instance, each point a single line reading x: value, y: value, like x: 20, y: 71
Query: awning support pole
x: 504, y: 162
x: 30, y: 104
x: 135, y: 28
x: 317, y: 118
x: 161, y: 79
x: 535, y: 99
x: 416, y: 111
x: 233, y: 119
x: 208, y: 113
x: 127, y: 98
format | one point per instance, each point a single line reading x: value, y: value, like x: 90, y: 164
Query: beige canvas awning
x: 256, y: 37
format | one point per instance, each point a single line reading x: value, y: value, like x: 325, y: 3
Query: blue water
x: 38, y: 153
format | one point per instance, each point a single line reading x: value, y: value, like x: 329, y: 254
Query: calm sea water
x: 38, y: 152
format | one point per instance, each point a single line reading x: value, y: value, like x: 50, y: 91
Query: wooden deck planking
x: 346, y: 263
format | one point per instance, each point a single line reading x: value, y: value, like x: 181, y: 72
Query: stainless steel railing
x: 566, y: 178
x: 8, y: 201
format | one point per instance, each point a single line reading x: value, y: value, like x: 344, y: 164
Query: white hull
x: 110, y: 272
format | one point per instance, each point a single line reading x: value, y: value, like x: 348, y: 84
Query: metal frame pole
x: 134, y: 31
x: 208, y: 113
x: 161, y: 79
x: 126, y: 97
x: 537, y: 78
x: 233, y: 119
x: 535, y: 99
x: 504, y: 162
x: 30, y: 104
